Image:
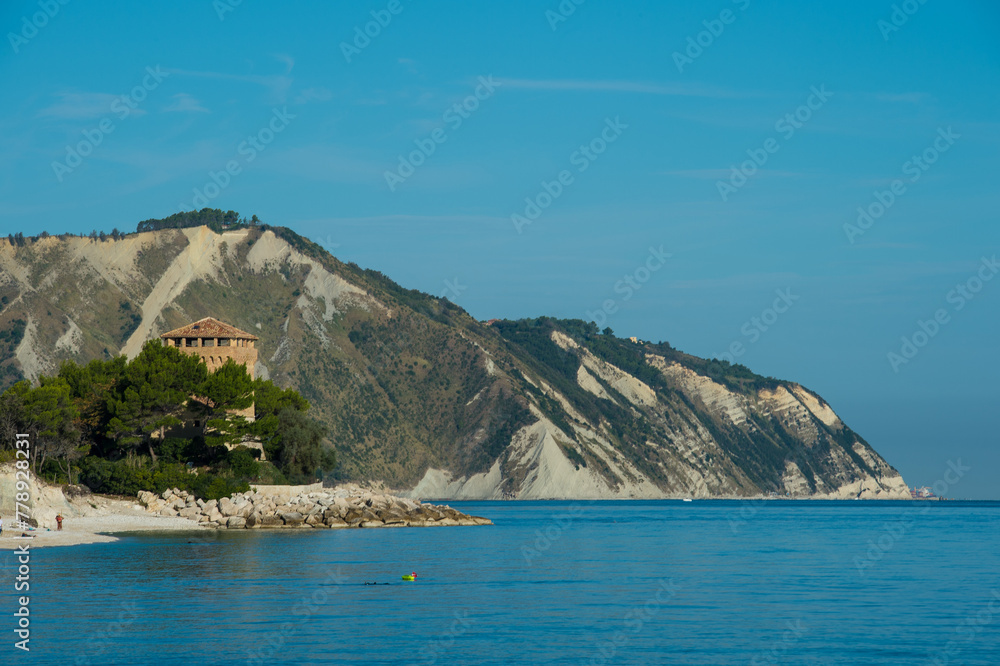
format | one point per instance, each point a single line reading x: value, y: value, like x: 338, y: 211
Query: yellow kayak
x: 411, y: 576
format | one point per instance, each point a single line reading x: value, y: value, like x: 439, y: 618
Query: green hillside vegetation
x: 213, y: 218
x: 107, y: 424
x: 402, y: 381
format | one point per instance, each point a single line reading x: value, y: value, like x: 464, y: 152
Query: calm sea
x: 703, y: 582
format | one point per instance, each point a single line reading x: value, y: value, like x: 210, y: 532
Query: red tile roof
x: 209, y: 327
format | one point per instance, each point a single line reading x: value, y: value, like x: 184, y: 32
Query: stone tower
x: 216, y: 341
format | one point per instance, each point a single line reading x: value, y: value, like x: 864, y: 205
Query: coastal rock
x: 342, y: 507
x: 292, y: 518
x: 314, y: 519
x: 271, y: 521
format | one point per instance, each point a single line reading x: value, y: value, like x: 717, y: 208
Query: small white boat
x: 687, y: 499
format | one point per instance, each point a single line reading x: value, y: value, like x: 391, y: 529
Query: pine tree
x: 228, y: 389
x: 152, y: 394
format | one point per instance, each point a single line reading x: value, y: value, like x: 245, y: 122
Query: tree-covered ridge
x: 404, y: 381
x: 213, y: 218
x: 535, y: 337
x: 107, y: 424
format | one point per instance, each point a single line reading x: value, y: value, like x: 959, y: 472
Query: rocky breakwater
x: 334, y: 508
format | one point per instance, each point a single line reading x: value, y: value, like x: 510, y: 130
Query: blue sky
x: 739, y: 138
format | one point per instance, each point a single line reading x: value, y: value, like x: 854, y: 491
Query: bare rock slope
x: 419, y: 395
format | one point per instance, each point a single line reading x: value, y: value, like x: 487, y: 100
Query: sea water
x: 648, y: 582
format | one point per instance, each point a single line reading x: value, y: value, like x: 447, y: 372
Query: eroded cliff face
x: 696, y: 464
x: 421, y: 396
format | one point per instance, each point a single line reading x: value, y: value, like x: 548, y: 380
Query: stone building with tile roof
x: 215, y: 342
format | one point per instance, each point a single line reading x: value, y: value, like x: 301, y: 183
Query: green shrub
x: 114, y: 478
x: 209, y: 486
x: 243, y: 463
x: 172, y: 475
x: 173, y: 449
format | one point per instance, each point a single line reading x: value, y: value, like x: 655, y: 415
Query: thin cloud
x: 278, y: 85
x: 909, y: 98
x: 704, y: 174
x: 411, y: 219
x: 81, y: 106
x: 288, y: 61
x: 313, y: 95
x: 717, y: 174
x: 186, y: 103
x: 410, y: 65
x: 739, y: 282
x: 640, y: 87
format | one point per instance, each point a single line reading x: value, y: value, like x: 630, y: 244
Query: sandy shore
x: 111, y: 516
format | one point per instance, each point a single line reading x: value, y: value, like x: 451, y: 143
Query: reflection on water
x: 551, y: 582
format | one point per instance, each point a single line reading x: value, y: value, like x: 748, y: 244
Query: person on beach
x: 58, y: 522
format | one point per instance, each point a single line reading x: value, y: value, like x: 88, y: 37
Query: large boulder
x: 314, y: 519
x: 292, y: 518
x: 236, y: 522
x: 226, y: 507
x: 271, y: 520
x: 392, y: 516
